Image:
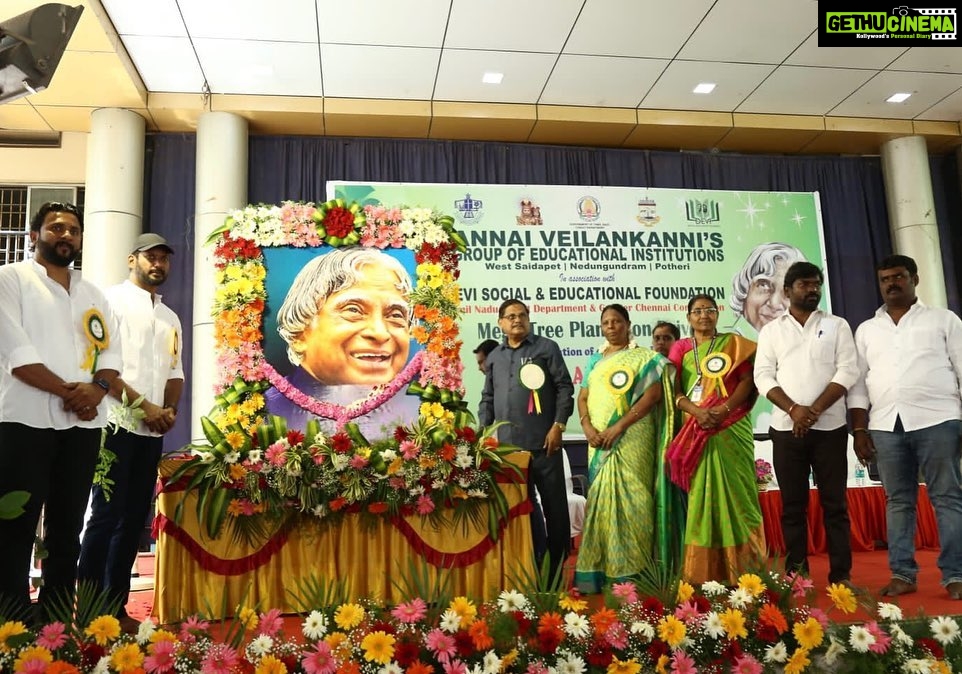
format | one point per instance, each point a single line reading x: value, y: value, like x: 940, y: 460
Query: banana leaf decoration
x: 354, y: 208
x: 450, y: 400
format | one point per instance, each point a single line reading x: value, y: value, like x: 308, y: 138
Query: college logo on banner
x: 701, y: 212
x: 469, y: 210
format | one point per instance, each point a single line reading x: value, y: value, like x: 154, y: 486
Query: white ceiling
x: 762, y: 54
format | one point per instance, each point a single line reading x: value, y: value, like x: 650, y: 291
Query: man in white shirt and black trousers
x: 907, y: 415
x: 153, y: 344
x: 805, y: 364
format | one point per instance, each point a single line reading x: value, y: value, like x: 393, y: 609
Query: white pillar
x: 908, y: 191
x: 114, y: 201
x: 221, y: 186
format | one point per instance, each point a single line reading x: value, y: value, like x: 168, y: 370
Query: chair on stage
x: 576, y: 499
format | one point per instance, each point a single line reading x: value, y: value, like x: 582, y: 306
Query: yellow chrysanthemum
x: 126, y: 658
x: 340, y: 645
x: 363, y: 451
x: 270, y: 665
x: 29, y: 655
x: 248, y: 618
x: 237, y: 471
x: 623, y: 667
x: 395, y: 466
x: 685, y: 592
x: 809, y: 634
x: 842, y: 596
x: 798, y: 662
x: 571, y: 603
x: 378, y: 647
x: 348, y: 616
x: 733, y: 621
x: 104, y: 629
x: 751, y: 583
x: 942, y: 667
x: 437, y: 410
x: 235, y: 439
x: 11, y: 628
x: 662, y: 665
x: 465, y: 609
x: 163, y: 635
x: 509, y: 659
x: 672, y: 631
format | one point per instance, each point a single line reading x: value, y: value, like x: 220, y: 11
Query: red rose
x: 653, y: 605
x: 524, y: 623
x: 405, y: 653
x: 464, y: 643
x: 599, y: 655
x: 932, y: 646
x: 339, y: 222
x: 766, y: 633
x: 341, y: 443
x: 549, y: 640
x: 400, y: 434
x: 657, y: 649
x: 295, y: 437
x: 467, y: 434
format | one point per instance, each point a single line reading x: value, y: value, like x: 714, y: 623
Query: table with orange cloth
x: 214, y: 576
x: 866, y: 510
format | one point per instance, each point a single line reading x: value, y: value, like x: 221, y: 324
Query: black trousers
x: 112, y: 536
x: 547, y: 473
x: 56, y: 468
x: 824, y: 452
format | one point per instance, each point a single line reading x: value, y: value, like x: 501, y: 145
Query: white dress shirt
x: 152, y: 342
x: 41, y: 322
x: 910, y: 370
x: 803, y: 360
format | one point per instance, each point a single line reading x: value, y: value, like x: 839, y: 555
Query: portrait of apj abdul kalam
x: 346, y: 320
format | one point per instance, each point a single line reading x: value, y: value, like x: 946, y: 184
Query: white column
x: 114, y: 201
x: 908, y: 192
x: 221, y: 186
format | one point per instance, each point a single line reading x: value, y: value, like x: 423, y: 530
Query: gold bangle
x: 793, y: 406
x: 680, y: 396
x: 859, y: 430
x: 584, y: 416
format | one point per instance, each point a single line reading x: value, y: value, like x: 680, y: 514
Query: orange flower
x: 480, y: 635
x: 448, y: 452
x: 349, y: 667
x: 550, y: 621
x: 490, y: 443
x: 237, y: 472
x: 418, y: 667
x: 772, y: 616
x: 377, y: 507
x: 61, y: 667
x: 602, y: 619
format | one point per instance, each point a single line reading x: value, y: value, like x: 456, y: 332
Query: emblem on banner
x: 589, y: 209
x: 530, y: 214
x: 702, y: 212
x: 646, y: 212
x: 469, y: 210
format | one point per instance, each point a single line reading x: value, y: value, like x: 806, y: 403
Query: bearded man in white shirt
x: 906, y: 412
x: 805, y: 363
x: 152, y: 340
x: 59, y: 355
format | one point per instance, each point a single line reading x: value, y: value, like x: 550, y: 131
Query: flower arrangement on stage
x: 763, y: 473
x: 762, y: 625
x: 253, y: 471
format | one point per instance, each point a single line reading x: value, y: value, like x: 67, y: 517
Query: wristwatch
x: 104, y: 384
x: 561, y: 426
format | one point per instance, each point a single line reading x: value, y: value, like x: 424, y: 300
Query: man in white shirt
x: 805, y: 363
x: 906, y: 412
x: 59, y: 354
x: 152, y: 340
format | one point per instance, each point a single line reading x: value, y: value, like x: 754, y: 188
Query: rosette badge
x: 98, y: 339
x: 532, y: 378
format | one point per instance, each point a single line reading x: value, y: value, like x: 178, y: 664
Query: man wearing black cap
x: 152, y: 346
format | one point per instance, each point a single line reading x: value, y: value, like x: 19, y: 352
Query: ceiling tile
x: 596, y: 32
x: 400, y: 23
x: 509, y: 25
x: 602, y: 81
x: 268, y: 68
x: 165, y: 63
x: 157, y: 17
x: 949, y: 108
x: 927, y: 89
x: 459, y: 76
x: 353, y: 71
x: 751, y: 31
x: 286, y: 21
x: 734, y: 82
x: 810, y: 54
x: 927, y: 59
x: 22, y: 118
x: 788, y: 90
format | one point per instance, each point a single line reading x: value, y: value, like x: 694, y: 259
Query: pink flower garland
x: 340, y: 413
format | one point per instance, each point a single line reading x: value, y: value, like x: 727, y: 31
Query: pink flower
x: 626, y: 592
x: 800, y: 584
x: 409, y: 450
x: 33, y: 666
x: 192, y: 625
x: 276, y: 454
x: 425, y: 505
x: 682, y: 664
x: 441, y: 644
x: 616, y: 636
x: 746, y: 664
x: 52, y: 636
x: 411, y: 611
x: 454, y: 667
x: 536, y: 667
x: 396, y: 483
x: 358, y: 462
x: 220, y: 659
x: 162, y: 658
x: 688, y: 612
x: 320, y: 660
x: 882, y: 640
x: 270, y: 623
x: 820, y: 616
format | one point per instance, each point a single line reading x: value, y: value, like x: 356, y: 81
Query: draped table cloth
x: 215, y: 576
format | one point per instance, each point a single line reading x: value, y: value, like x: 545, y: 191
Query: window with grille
x: 17, y: 204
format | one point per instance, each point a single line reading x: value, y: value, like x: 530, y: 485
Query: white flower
x: 492, y: 663
x: 860, y: 638
x: 261, y: 645
x: 713, y: 588
x: 464, y: 482
x: 438, y: 484
x: 713, y: 625
x: 319, y: 511
x: 103, y: 666
x: 570, y: 664
x: 835, y: 649
x: 391, y: 668
x: 416, y: 490
x: 462, y: 460
x: 477, y: 493
x: 231, y: 457
x: 917, y: 666
x: 315, y: 625
x: 293, y: 468
x: 577, y: 626
x: 889, y: 611
x: 255, y: 455
x: 320, y: 439
x: 146, y: 629
x: 776, y: 653
x: 900, y: 636
x: 450, y: 621
x: 740, y: 598
x: 388, y: 455
x: 944, y: 630
x: 512, y: 600
x: 205, y: 457
x: 643, y: 629
x: 339, y: 462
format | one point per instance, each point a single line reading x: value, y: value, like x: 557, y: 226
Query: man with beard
x: 152, y: 339
x: 906, y: 412
x: 59, y: 355
x: 805, y: 364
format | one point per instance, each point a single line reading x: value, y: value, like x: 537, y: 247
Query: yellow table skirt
x: 214, y: 576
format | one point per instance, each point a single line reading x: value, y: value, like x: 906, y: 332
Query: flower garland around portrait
x: 255, y: 474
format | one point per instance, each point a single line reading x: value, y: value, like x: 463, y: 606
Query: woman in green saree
x: 713, y: 455
x: 626, y: 415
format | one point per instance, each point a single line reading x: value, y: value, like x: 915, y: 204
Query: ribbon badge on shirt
x: 618, y: 384
x: 95, y: 330
x: 715, y: 366
x: 174, y: 352
x: 532, y: 378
